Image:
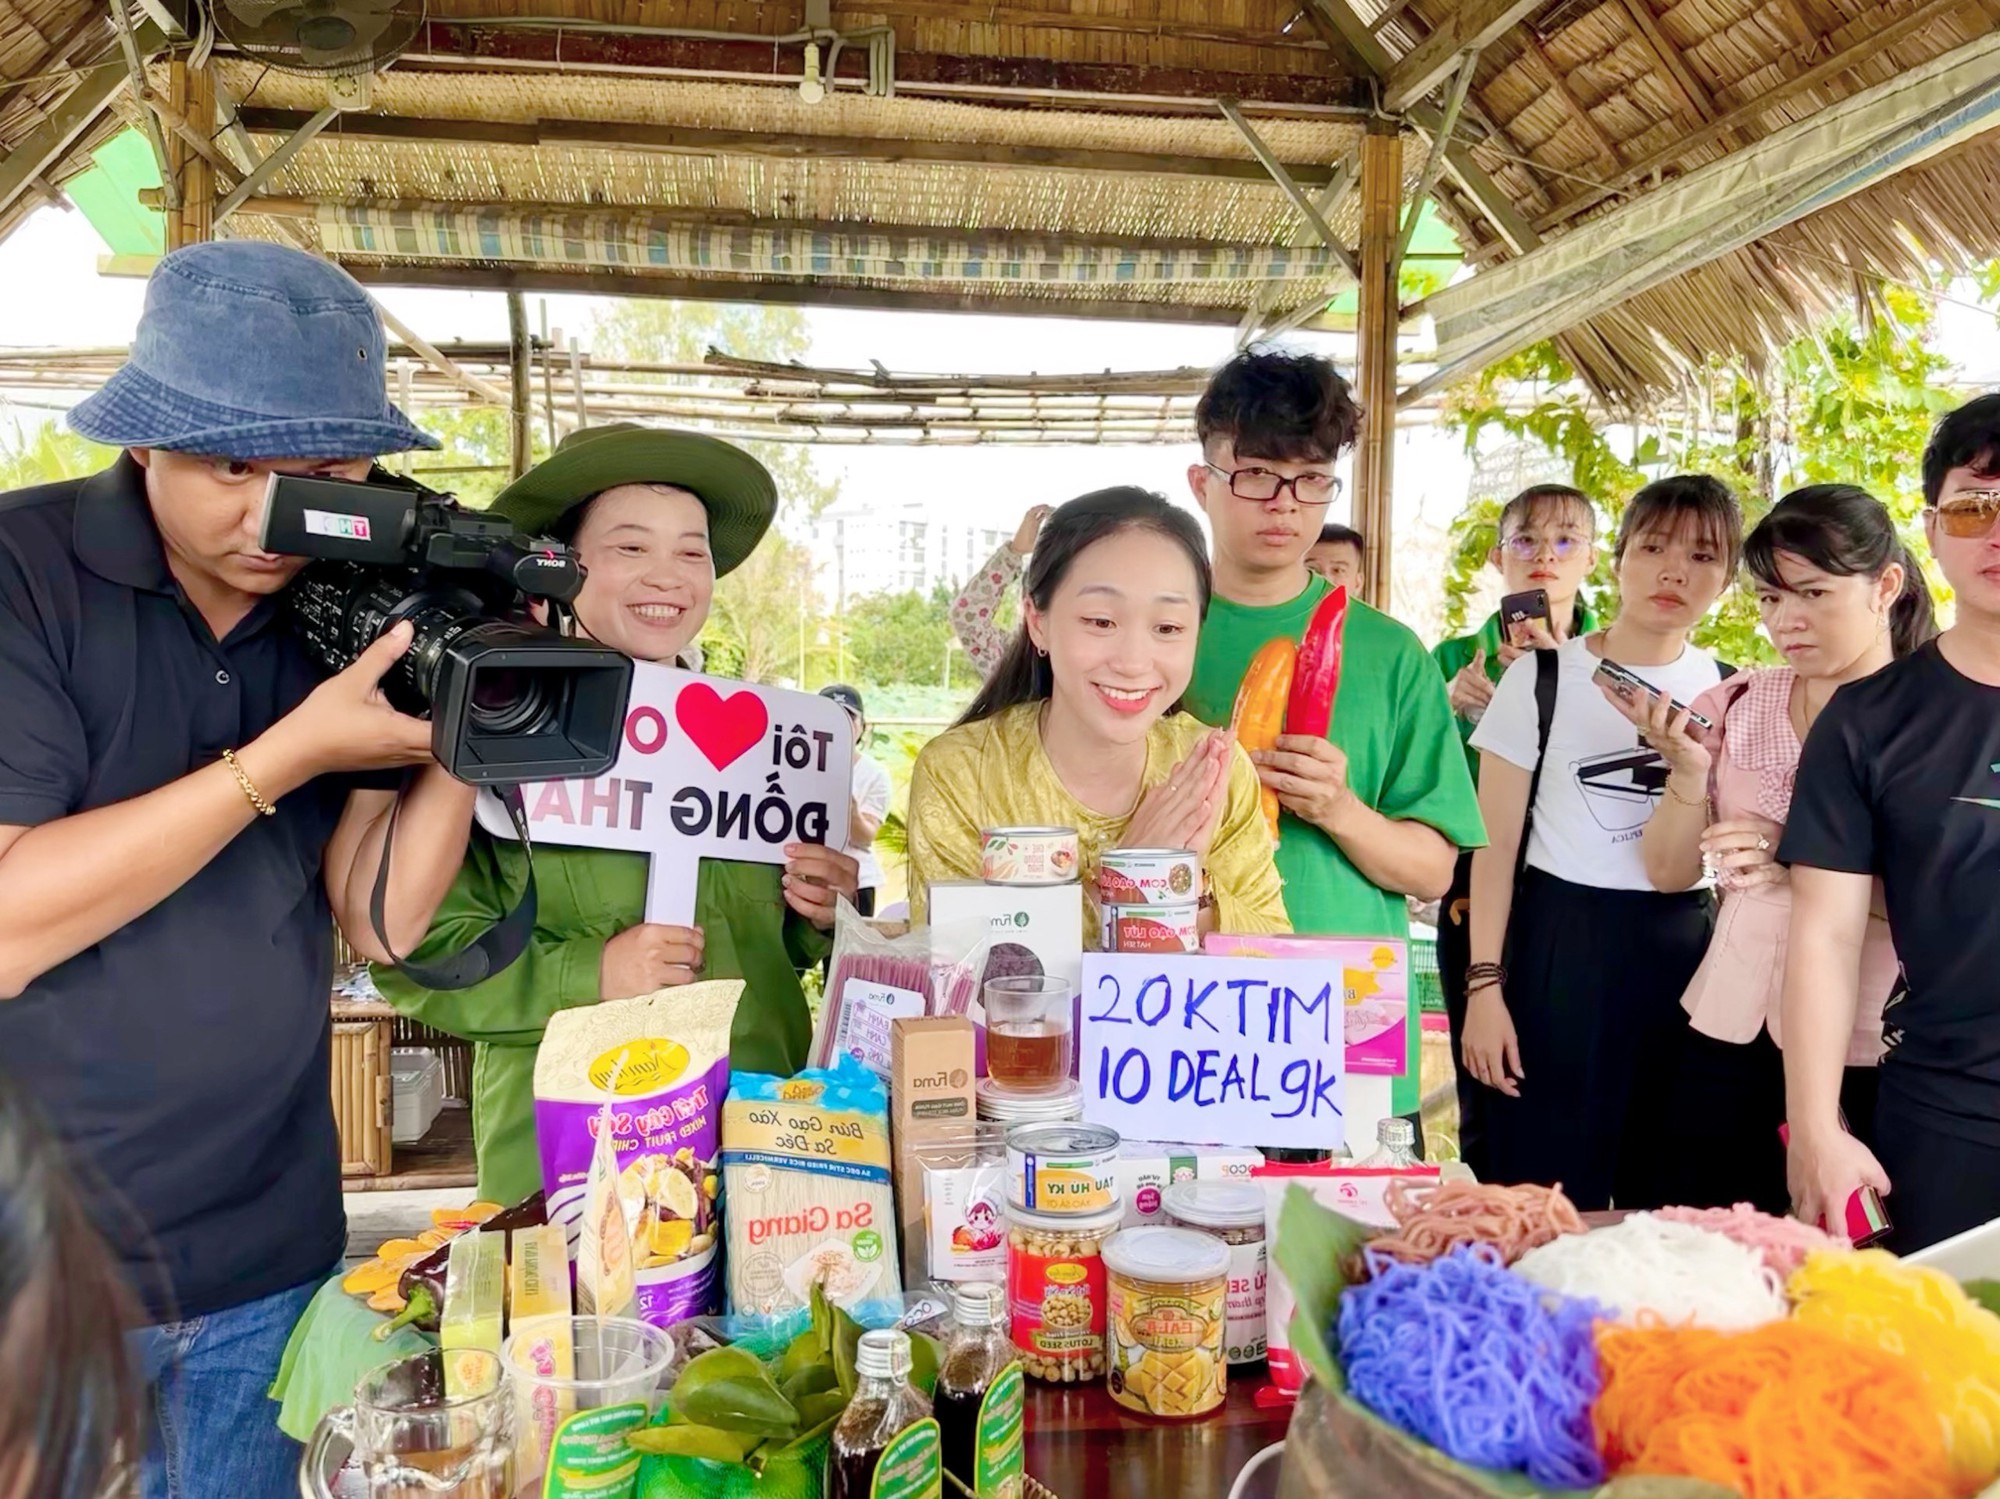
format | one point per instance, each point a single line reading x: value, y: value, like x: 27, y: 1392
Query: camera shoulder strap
x: 493, y: 949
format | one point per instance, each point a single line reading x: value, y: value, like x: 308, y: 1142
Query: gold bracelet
x: 264, y: 808
x: 1684, y: 801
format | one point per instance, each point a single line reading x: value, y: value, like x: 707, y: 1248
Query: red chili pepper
x: 1317, y: 677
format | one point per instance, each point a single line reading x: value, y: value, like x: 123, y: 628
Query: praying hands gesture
x: 1184, y: 810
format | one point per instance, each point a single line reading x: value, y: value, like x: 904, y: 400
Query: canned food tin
x: 1167, y: 1290
x: 1148, y: 876
x: 1152, y: 928
x: 1027, y: 856
x: 1062, y: 1168
x: 1055, y: 1292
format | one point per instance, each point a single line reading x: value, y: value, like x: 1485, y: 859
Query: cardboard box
x: 931, y: 1082
x: 1146, y: 1168
x: 1047, y: 920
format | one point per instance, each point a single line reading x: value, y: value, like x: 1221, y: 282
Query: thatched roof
x: 1065, y: 155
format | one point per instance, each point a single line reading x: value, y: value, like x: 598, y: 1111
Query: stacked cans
x: 1149, y: 900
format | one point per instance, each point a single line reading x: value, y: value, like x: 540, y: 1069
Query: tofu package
x: 805, y: 1175
x: 1146, y: 1168
x: 653, y: 1073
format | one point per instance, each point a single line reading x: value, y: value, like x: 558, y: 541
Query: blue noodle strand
x: 1477, y: 1362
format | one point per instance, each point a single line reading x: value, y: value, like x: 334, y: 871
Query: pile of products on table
x: 929, y: 1175
x: 1750, y: 1353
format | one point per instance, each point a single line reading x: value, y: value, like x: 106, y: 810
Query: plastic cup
x: 572, y: 1414
x: 409, y: 1440
x: 1030, y: 1032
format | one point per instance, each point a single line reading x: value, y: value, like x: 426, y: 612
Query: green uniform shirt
x: 1392, y: 720
x: 584, y: 898
x: 1453, y: 656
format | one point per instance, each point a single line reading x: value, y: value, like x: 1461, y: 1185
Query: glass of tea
x: 1030, y: 1031
x: 418, y: 1431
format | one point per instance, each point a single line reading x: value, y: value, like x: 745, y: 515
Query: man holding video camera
x: 186, y: 803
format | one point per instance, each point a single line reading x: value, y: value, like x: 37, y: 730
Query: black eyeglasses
x: 1262, y: 486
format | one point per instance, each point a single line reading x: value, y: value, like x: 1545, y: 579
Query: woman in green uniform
x: 655, y: 517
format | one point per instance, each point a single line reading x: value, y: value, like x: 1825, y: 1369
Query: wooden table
x: 1084, y: 1445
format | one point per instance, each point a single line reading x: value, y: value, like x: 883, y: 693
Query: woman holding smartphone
x: 1080, y: 724
x: 1841, y: 598
x: 1578, y: 963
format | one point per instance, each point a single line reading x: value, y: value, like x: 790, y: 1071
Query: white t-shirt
x: 1600, y: 784
x: 871, y: 795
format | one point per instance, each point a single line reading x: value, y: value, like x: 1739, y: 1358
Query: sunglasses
x: 1968, y: 515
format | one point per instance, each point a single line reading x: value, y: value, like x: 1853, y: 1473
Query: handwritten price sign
x: 1218, y: 1050
x: 710, y: 769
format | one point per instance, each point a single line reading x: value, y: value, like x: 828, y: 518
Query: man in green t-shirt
x: 1378, y: 809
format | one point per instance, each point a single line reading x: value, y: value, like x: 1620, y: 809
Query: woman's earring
x: 1039, y: 651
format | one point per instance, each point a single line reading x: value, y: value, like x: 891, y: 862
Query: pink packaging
x: 1351, y: 1190
x: 1374, y: 979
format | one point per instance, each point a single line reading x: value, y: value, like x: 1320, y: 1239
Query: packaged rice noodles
x: 805, y: 1170
x: 661, y: 1064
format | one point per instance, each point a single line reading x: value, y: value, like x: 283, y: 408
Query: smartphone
x: 1867, y: 1218
x: 1529, y: 607
x: 1633, y: 688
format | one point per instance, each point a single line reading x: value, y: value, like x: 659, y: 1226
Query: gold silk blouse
x: 995, y: 773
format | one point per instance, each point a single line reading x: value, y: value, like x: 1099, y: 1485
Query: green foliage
x: 905, y: 637
x: 474, y: 463
x: 765, y: 624
x: 49, y: 453
x: 656, y: 332
x: 1853, y: 402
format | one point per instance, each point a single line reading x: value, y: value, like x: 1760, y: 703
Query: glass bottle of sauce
x: 886, y: 1444
x: 980, y: 1397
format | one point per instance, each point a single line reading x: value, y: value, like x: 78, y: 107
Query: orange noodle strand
x: 1873, y: 1300
x: 1782, y: 1411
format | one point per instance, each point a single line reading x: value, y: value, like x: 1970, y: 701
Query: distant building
x: 860, y: 549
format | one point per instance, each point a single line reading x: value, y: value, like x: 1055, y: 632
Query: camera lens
x: 507, y: 701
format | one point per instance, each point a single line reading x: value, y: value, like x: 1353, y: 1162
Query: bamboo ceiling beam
x: 1882, y: 33
x: 1696, y: 102
x: 1071, y: 20
x: 1475, y: 24
x: 471, y: 42
x: 633, y: 135
x: 64, y: 124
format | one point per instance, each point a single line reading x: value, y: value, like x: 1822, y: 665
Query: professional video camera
x: 509, y: 700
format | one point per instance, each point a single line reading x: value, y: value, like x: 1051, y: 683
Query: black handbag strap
x: 493, y: 949
x: 1548, y: 672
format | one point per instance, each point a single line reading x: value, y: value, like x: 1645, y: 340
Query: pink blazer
x: 1736, y: 991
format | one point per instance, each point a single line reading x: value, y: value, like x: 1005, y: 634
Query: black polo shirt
x: 185, y: 1057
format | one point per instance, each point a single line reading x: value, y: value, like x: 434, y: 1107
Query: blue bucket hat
x: 252, y: 350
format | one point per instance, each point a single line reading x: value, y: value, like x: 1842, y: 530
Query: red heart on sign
x: 722, y: 728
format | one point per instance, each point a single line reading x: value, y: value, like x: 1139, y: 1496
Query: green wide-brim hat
x: 737, y: 491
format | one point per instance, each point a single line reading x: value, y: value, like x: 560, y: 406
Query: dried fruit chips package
x: 662, y: 1063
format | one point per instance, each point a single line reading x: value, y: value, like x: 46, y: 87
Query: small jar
x: 1055, y: 1291
x: 1168, y: 1307
x: 1234, y: 1213
x: 1002, y: 1105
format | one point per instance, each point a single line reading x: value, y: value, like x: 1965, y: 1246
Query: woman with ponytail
x: 1841, y: 597
x: 1080, y: 725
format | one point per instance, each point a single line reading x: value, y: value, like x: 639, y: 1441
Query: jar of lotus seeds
x: 1055, y: 1291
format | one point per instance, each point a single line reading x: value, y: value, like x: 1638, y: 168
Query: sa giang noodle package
x: 657, y: 1070
x: 805, y: 1171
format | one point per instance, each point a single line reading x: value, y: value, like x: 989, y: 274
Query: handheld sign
x: 710, y: 769
x: 1225, y: 1051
